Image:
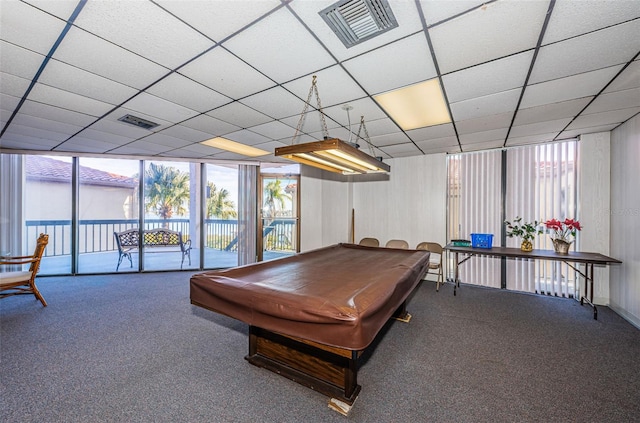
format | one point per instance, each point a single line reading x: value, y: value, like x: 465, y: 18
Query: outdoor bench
x: 129, y: 241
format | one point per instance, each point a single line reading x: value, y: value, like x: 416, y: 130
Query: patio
x: 106, y: 261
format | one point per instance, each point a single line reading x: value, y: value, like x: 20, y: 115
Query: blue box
x: 481, y: 240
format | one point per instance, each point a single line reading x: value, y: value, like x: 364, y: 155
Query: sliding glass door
x: 279, y: 219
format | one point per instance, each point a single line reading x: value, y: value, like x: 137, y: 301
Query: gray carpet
x: 131, y: 348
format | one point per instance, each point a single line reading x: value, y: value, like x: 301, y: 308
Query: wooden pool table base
x: 329, y: 370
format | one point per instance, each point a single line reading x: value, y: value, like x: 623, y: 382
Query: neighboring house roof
x: 47, y: 169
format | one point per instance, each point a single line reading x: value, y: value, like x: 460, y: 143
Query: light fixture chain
x: 312, y: 90
x: 366, y: 138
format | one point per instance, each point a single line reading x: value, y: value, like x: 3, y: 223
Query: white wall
x: 594, y: 187
x: 625, y: 220
x: 409, y: 204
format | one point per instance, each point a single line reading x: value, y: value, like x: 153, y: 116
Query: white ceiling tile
x: 438, y: 10
x: 488, y: 78
x: 166, y: 140
x: 225, y: 73
x: 396, y: 65
x: 443, y: 150
x: 20, y: 141
x: 141, y: 148
x: 591, y: 130
x: 362, y: 107
x: 551, y: 111
x: 485, y: 123
x: 531, y: 139
x: 85, y: 145
x: 274, y: 130
x: 28, y: 27
x: 311, y: 122
x: 402, y: 150
x: 182, y: 153
x: 105, y: 137
x: 335, y: 86
x: 431, y: 132
x: 569, y: 88
x: 19, y: 61
x: 492, y: 31
x: 539, y: 128
x: 188, y: 134
x: 70, y: 101
x: 629, y: 78
x: 390, y: 139
x: 46, y: 111
x: 219, y: 19
x: 596, y: 50
x: 45, y: 124
x: 271, y: 145
x: 280, y: 47
x: 275, y: 102
x: 91, y: 53
x: 227, y: 155
x: 8, y: 103
x: 60, y: 8
x: 145, y: 29
x: 159, y: 108
x: 185, y: 92
x: 210, y: 125
x: 247, y: 137
x: 444, y: 143
x: 405, y: 12
x: 374, y: 127
x: 571, y: 18
x: 238, y: 114
x: 339, y: 132
x: 614, y: 101
x: 482, y: 146
x: 68, y: 78
x: 14, y: 86
x: 200, y: 150
x: 603, y: 118
x: 489, y: 105
x: 492, y: 135
x: 32, y: 131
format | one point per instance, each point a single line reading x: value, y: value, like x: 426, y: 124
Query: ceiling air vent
x: 137, y: 121
x: 355, y: 21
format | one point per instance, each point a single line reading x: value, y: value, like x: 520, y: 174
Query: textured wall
x: 625, y: 220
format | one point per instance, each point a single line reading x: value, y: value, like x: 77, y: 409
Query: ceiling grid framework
x: 512, y: 72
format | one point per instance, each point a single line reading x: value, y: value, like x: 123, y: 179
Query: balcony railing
x: 97, y: 235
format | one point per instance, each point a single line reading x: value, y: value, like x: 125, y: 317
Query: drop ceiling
x: 512, y: 72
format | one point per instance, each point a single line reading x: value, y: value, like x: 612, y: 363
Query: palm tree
x: 274, y: 198
x: 166, y: 190
x: 218, y: 203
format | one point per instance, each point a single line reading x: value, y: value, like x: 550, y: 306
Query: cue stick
x: 353, y: 226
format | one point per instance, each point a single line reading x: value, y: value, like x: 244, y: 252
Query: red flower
x: 562, y: 230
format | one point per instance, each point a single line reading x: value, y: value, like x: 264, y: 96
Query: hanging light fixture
x: 330, y: 154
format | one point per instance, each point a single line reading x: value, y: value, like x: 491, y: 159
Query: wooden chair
x: 397, y: 243
x: 435, y: 260
x: 369, y: 242
x: 23, y: 281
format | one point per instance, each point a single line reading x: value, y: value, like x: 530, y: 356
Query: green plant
x: 527, y: 230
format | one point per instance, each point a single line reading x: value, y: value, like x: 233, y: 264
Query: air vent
x: 137, y: 121
x: 355, y: 21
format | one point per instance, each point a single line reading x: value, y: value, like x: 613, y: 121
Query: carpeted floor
x: 131, y: 348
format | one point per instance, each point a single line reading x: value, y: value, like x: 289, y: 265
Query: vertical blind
x: 540, y: 184
x: 247, y: 213
x: 475, y: 207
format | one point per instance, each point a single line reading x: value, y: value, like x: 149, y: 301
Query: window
x: 537, y: 182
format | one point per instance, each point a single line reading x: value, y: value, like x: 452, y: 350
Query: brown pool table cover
x: 340, y: 295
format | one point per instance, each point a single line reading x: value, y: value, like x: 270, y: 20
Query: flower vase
x: 526, y: 246
x: 561, y: 246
